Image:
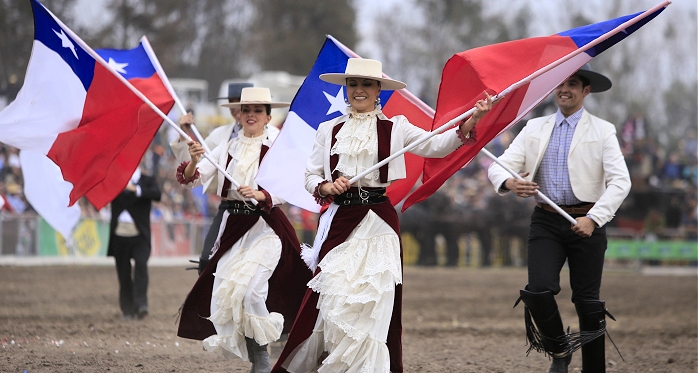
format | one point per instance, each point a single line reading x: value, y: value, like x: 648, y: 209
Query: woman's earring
x: 347, y: 102
x: 377, y: 101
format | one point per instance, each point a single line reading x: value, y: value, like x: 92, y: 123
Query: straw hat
x: 363, y: 68
x: 256, y: 96
x: 599, y: 82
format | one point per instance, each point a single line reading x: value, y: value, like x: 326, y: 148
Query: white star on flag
x: 119, y: 67
x: 66, y: 43
x: 337, y: 103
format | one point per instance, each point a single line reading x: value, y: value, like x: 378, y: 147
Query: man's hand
x: 186, y: 120
x: 522, y: 188
x: 584, y: 226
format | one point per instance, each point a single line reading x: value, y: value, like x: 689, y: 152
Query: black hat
x: 234, y: 90
x: 599, y: 82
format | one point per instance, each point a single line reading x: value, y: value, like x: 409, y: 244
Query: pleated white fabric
x: 240, y: 290
x: 356, y: 289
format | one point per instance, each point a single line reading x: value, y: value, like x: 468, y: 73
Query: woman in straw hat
x: 350, y: 320
x: 256, y: 249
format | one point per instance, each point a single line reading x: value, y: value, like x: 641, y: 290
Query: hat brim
x: 599, y: 82
x: 340, y: 79
x: 273, y: 105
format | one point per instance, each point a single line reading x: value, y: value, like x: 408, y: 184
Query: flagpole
x: 156, y: 63
x: 140, y: 95
x: 539, y: 194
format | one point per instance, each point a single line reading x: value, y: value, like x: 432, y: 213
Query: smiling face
x: 253, y: 119
x: 362, y: 93
x: 570, y: 94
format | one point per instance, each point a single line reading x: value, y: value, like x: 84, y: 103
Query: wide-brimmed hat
x: 256, y: 96
x: 363, y: 68
x: 599, y: 82
x: 234, y: 90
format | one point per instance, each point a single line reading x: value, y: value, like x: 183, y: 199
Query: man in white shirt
x: 573, y: 158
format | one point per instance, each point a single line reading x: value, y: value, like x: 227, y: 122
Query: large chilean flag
x: 75, y: 111
x: 282, y: 170
x: 525, y: 72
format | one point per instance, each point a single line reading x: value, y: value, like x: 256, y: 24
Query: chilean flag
x: 76, y: 112
x: 523, y: 72
x: 283, y: 168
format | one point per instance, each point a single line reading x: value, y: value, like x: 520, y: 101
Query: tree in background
x: 417, y: 38
x: 221, y: 48
x: 17, y: 34
x: 169, y: 25
x: 287, y: 34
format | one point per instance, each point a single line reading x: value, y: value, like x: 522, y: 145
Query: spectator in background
x: 690, y: 219
x: 130, y: 238
x: 15, y: 198
x: 672, y: 168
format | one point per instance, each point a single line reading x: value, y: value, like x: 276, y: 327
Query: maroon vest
x: 384, y: 147
x: 227, y: 182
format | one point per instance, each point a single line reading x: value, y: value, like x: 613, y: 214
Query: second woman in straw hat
x: 250, y: 291
x: 350, y: 320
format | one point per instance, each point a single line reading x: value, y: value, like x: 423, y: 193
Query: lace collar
x: 355, y: 115
x: 242, y: 138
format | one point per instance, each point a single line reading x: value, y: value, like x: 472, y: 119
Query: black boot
x: 544, y: 328
x: 258, y: 356
x: 591, y: 319
x: 250, y: 343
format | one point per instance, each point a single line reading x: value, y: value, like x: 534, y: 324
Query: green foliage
x: 287, y: 34
x: 17, y: 33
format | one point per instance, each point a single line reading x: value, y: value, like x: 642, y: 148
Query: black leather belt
x: 580, y: 209
x: 241, y: 208
x: 366, y: 196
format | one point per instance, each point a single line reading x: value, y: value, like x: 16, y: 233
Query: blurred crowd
x: 661, y: 205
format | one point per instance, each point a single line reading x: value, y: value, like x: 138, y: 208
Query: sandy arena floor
x: 66, y: 319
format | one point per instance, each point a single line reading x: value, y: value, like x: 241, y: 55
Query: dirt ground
x: 66, y: 319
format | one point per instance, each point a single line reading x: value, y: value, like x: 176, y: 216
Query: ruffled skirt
x: 238, y: 307
x: 356, y: 289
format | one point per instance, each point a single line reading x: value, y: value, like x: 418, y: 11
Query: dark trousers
x: 551, y: 243
x: 210, y: 238
x: 132, y: 292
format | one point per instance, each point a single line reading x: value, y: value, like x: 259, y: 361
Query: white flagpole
x: 539, y: 194
x: 169, y: 87
x: 138, y: 93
